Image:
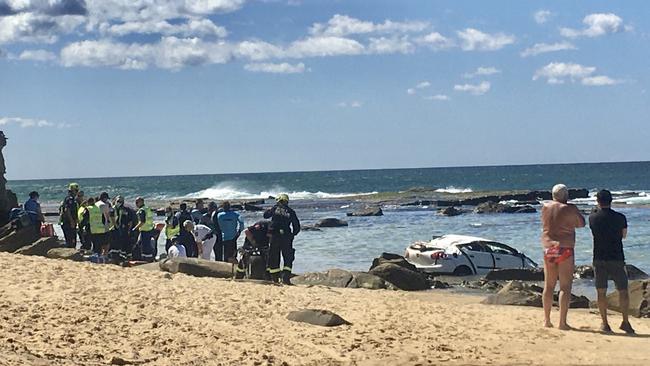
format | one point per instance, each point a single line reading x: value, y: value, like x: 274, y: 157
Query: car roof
x: 452, y: 239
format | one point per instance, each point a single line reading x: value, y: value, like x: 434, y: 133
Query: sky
x: 101, y: 88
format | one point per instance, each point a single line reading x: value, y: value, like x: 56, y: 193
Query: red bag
x: 47, y: 230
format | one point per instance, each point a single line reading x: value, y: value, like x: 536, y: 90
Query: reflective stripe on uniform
x: 240, y: 269
x: 275, y: 270
x: 285, y: 268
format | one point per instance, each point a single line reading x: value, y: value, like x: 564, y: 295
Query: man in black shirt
x: 609, y: 228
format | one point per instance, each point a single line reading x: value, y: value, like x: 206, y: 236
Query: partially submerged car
x: 462, y: 255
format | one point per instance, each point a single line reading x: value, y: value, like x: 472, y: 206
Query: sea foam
x: 228, y: 191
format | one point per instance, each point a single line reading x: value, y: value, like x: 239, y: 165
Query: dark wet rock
x: 251, y: 207
x: 370, y: 211
x: 523, y: 294
x: 515, y: 274
x: 198, y: 267
x: 309, y: 228
x: 494, y: 207
x: 341, y: 278
x: 439, y: 285
x: 450, y: 211
x: 526, y: 198
x: 402, y: 277
x: 18, y: 238
x: 66, y: 253
x: 587, y: 272
x: 422, y: 203
x: 331, y: 222
x: 490, y: 286
x: 323, y: 318
x: 393, y: 259
x: 639, y: 299
x: 40, y: 247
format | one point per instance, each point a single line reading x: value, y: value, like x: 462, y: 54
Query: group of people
x: 111, y: 228
x: 560, y: 219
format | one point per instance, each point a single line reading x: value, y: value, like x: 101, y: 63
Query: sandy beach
x: 57, y: 312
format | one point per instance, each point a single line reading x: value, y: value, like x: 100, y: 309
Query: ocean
x: 317, y: 195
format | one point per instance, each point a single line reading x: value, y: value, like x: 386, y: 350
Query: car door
x: 504, y: 256
x: 480, y: 257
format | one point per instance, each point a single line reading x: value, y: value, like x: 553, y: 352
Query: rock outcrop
x: 342, y: 278
x: 587, y: 271
x: 17, y: 239
x: 515, y: 274
x: 531, y: 196
x: 331, y: 222
x: 494, y: 207
x: 450, y: 211
x: 324, y: 318
x: 198, y: 267
x: 522, y: 294
x: 41, y: 247
x: 8, y: 199
x: 401, y: 277
x: 639, y: 299
x: 369, y: 211
x: 66, y: 253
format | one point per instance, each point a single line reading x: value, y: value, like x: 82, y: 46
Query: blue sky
x: 150, y: 87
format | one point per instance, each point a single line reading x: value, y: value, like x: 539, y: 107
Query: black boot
x: 275, y: 277
x: 286, y: 278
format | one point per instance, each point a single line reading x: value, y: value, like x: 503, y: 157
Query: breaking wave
x: 227, y: 191
x: 454, y: 190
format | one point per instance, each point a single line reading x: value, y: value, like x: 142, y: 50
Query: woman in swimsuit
x: 559, y: 221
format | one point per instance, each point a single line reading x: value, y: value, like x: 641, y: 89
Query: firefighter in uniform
x: 284, y: 227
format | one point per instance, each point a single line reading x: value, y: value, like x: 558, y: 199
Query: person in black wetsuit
x: 284, y: 227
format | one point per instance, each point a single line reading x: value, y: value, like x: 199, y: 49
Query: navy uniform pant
x: 281, y: 244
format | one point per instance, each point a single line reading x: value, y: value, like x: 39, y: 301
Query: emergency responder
x: 284, y: 227
x: 98, y: 229
x: 83, y: 222
x: 172, y: 228
x: 145, y: 227
x: 125, y: 220
x: 68, y: 216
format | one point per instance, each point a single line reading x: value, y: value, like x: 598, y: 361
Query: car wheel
x: 463, y: 271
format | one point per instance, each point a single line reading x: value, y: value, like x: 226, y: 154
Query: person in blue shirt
x: 231, y: 224
x: 33, y: 209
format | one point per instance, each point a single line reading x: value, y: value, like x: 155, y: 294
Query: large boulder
x: 198, y: 267
x: 639, y: 299
x: 515, y: 274
x: 66, y: 253
x: 450, y: 211
x: 341, y: 278
x: 331, y: 222
x: 587, y: 271
x: 494, y: 207
x: 522, y: 294
x: 369, y: 211
x: 323, y: 318
x: 394, y: 259
x: 40, y: 247
x: 252, y: 208
x: 18, y: 239
x: 401, y: 277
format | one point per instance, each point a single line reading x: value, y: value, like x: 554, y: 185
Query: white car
x: 462, y: 255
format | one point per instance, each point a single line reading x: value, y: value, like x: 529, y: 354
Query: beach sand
x: 57, y: 312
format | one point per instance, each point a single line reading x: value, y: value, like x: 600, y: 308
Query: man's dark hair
x: 225, y: 205
x: 103, y: 196
x: 183, y: 206
x: 604, y: 197
x: 33, y: 194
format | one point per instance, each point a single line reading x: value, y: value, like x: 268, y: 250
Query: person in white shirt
x: 177, y: 250
x: 204, y: 240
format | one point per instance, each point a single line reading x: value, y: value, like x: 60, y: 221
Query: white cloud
x: 435, y: 41
x: 542, y: 16
x: 343, y: 25
x: 30, y: 122
x: 475, y: 89
x: 482, y: 71
x: 559, y: 72
x: 423, y: 84
x: 351, y: 104
x: 37, y: 55
x: 596, y: 25
x: 539, y: 48
x: 100, y: 11
x: 385, y: 45
x: 258, y: 50
x: 473, y: 39
x: 324, y: 46
x: 193, y: 27
x: 36, y: 28
x: 441, y: 97
x: 170, y: 53
x: 600, y: 80
x: 279, y: 68
x: 411, y: 91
